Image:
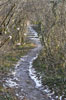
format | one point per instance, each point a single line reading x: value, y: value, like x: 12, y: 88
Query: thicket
x: 51, y: 62
x: 50, y: 17
x: 12, y: 22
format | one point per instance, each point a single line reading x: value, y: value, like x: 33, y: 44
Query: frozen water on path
x: 24, y: 78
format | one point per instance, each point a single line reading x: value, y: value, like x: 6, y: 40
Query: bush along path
x: 23, y: 79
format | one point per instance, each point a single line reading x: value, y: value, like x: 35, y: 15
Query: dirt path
x: 23, y: 78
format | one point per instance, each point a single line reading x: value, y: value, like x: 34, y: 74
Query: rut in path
x: 23, y: 80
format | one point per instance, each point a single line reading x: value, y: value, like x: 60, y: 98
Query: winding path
x: 23, y: 78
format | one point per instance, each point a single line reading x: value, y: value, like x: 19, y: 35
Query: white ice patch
x: 22, y: 59
x: 17, y: 94
x: 47, y: 90
x: 18, y: 63
x: 60, y: 97
x: 56, y: 97
x: 4, y: 86
x: 15, y: 78
x: 33, y: 31
x: 11, y: 83
x: 32, y: 74
x: 13, y: 73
